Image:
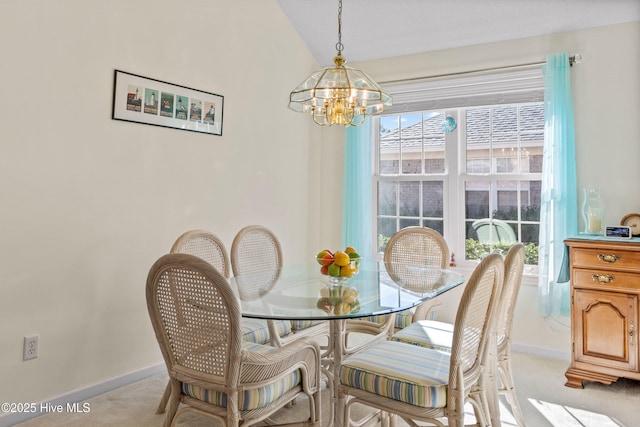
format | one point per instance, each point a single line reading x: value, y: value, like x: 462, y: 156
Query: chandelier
x: 339, y: 95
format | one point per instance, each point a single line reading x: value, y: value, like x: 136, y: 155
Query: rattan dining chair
x: 420, y: 246
x: 439, y: 335
x: 514, y: 267
x: 213, y: 372
x: 255, y: 248
x: 427, y: 385
x: 208, y: 247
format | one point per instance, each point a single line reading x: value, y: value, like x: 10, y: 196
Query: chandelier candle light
x: 339, y: 95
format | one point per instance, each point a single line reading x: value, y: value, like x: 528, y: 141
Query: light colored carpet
x: 543, y: 397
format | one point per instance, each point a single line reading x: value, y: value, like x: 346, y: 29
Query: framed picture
x: 154, y: 102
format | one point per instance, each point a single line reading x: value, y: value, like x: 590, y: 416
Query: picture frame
x: 155, y: 102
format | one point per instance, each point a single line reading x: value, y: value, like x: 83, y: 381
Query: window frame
x: 454, y: 179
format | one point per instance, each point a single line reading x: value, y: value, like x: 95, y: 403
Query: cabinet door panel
x: 605, y: 325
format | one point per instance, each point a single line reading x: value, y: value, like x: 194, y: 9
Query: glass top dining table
x: 301, y: 292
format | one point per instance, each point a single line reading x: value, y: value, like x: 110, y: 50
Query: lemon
x: 347, y: 270
x: 341, y: 258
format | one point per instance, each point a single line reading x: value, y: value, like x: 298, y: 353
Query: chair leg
x: 509, y: 390
x: 455, y: 409
x: 164, y: 399
x: 174, y: 402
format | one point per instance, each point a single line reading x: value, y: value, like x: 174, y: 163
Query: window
x: 478, y: 185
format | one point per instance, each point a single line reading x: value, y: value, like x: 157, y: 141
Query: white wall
x: 606, y: 92
x: 89, y: 203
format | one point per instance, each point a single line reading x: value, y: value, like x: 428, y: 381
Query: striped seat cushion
x: 427, y: 333
x: 249, y: 399
x: 381, y: 318
x: 257, y: 330
x: 411, y: 374
x: 297, y: 325
x: 403, y: 319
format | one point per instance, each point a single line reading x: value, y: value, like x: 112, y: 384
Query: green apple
x: 334, y: 270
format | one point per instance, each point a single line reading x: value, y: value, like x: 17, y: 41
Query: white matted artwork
x: 154, y: 102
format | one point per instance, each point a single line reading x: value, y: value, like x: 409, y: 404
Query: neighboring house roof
x: 479, y: 127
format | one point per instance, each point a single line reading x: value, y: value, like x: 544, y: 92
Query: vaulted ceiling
x: 374, y: 29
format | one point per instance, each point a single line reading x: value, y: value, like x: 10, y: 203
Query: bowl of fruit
x: 339, y: 300
x: 338, y: 266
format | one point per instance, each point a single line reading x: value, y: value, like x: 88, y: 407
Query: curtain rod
x: 573, y: 59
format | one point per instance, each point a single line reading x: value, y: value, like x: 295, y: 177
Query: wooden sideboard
x: 605, y: 299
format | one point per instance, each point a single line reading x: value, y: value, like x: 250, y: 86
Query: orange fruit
x: 320, y: 255
x: 327, y: 259
x: 341, y: 258
x: 349, y: 249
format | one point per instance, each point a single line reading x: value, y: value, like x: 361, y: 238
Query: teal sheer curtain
x: 357, y: 204
x: 559, y: 204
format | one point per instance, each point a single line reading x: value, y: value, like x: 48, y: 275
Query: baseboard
x: 80, y: 395
x: 541, y: 351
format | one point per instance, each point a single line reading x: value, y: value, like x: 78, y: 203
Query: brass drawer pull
x: 608, y: 258
x: 603, y: 278
x: 631, y: 333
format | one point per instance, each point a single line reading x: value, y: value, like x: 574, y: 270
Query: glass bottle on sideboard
x: 592, y: 211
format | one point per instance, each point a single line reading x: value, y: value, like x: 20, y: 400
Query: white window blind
x: 496, y: 87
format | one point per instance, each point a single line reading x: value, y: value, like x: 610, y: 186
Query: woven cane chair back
x: 514, y: 266
x: 196, y: 318
x: 476, y: 311
x: 417, y: 246
x: 255, y: 249
x: 206, y: 246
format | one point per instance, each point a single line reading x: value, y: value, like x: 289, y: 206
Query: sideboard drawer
x: 605, y: 279
x: 606, y: 258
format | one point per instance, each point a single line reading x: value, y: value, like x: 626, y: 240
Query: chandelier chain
x: 339, y: 45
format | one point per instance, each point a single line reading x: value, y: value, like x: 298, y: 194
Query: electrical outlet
x: 30, y: 349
